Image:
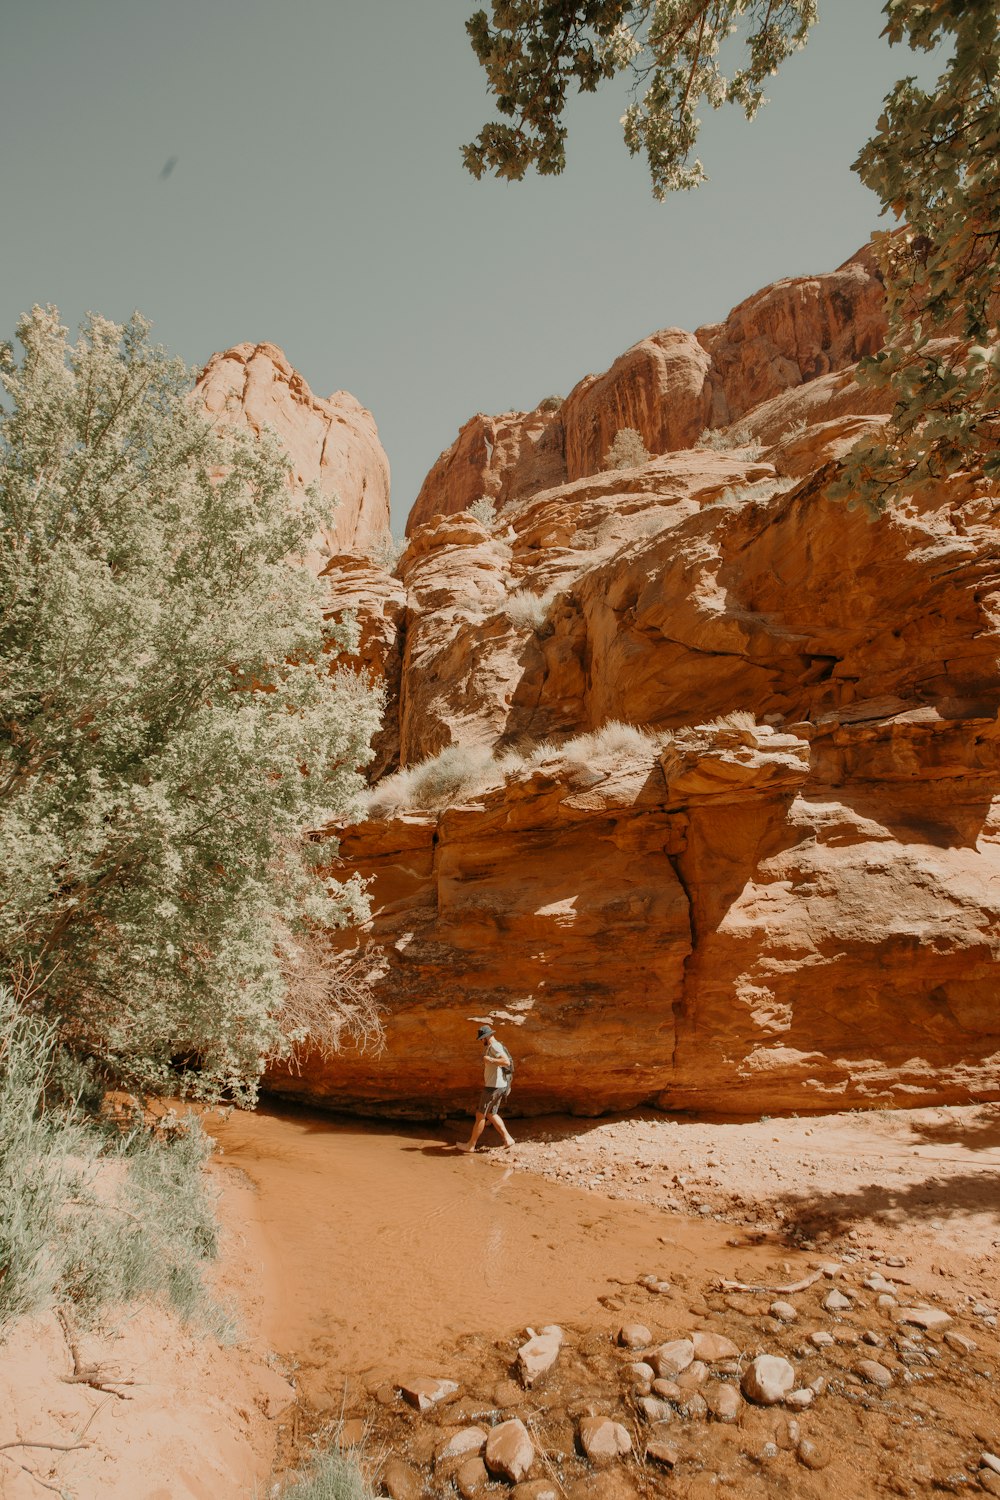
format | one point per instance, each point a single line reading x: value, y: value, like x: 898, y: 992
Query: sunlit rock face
x: 784, y: 893
x: 331, y: 444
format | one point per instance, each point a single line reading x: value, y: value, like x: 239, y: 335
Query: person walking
x: 498, y: 1070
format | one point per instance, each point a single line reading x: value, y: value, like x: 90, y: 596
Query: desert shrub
x: 90, y: 1214
x: 627, y: 451
x: 723, y: 439
x: 431, y: 784
x: 737, y: 718
x: 330, y: 993
x: 330, y: 1475
x: 525, y: 608
x: 386, y: 551
x: 484, y: 511
x: 550, y: 403
x: 613, y: 738
x: 168, y: 724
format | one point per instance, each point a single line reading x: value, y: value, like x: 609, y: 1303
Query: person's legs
x: 494, y: 1119
x: 477, y: 1130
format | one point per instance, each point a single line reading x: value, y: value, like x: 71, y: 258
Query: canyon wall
x: 781, y: 889
x: 331, y: 444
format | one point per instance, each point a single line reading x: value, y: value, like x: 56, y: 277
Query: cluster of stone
x: 589, y: 1414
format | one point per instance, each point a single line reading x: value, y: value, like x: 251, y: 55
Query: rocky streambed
x: 479, y: 1328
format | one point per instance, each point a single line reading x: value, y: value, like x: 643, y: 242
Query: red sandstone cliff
x: 332, y: 444
x: 785, y: 891
x: 669, y: 387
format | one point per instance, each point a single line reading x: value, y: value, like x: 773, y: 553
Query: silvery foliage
x: 168, y: 728
x: 535, y: 50
x: 935, y: 163
x: 628, y: 451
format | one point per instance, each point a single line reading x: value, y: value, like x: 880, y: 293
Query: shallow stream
x: 382, y: 1246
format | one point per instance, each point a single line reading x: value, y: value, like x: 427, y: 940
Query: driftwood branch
x: 795, y: 1286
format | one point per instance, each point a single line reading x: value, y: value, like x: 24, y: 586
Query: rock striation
x: 779, y: 888
x: 331, y: 444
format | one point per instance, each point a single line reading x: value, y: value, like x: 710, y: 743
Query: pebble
x: 924, y: 1317
x: 768, y: 1379
x: 811, y: 1456
x: 723, y: 1402
x: 800, y: 1399
x: 821, y: 1340
x: 536, y: 1357
x: 641, y: 1372
x: 510, y: 1451
x: 959, y: 1342
x: 713, y: 1347
x: 662, y: 1452
x: 635, y: 1336
x: 673, y: 1357
x: 535, y: 1489
x: 468, y: 1440
x: 875, y: 1339
x: 887, y: 1300
x: 669, y: 1390
x: 401, y: 1481
x: 874, y: 1373
x: 990, y: 1461
x: 694, y: 1375
x: 471, y: 1478
x: 655, y: 1409
x: 604, y: 1441
x: 895, y: 1260
x: 426, y: 1392
x: 784, y: 1311
x: 836, y: 1302
x: 695, y: 1407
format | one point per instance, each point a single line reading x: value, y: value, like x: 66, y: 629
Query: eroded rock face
x: 786, y: 893
x: 671, y: 386
x: 332, y: 444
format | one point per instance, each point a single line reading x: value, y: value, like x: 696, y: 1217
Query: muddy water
x: 383, y: 1245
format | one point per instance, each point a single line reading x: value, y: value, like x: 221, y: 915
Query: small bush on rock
x: 525, y: 608
x: 484, y: 511
x: 628, y: 451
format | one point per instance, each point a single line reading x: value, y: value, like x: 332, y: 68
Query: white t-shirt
x: 495, y: 1060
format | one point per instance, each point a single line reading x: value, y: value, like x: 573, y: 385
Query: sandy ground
x: 922, y: 1182
x: 142, y: 1408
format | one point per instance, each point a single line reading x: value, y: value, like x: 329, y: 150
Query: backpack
x: 507, y: 1067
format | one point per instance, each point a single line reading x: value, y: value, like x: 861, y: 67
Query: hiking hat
x: 483, y: 1032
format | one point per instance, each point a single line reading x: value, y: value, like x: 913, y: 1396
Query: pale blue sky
x: 318, y: 199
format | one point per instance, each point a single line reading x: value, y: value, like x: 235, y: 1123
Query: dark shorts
x: 490, y: 1100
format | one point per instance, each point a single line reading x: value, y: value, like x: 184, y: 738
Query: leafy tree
x: 168, y: 727
x: 536, y: 50
x: 934, y: 162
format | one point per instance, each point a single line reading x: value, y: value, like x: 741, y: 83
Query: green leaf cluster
x: 169, y: 728
x: 935, y: 163
x: 535, y: 51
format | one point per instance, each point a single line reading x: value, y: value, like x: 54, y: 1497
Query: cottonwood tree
x: 934, y: 162
x: 168, y: 726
